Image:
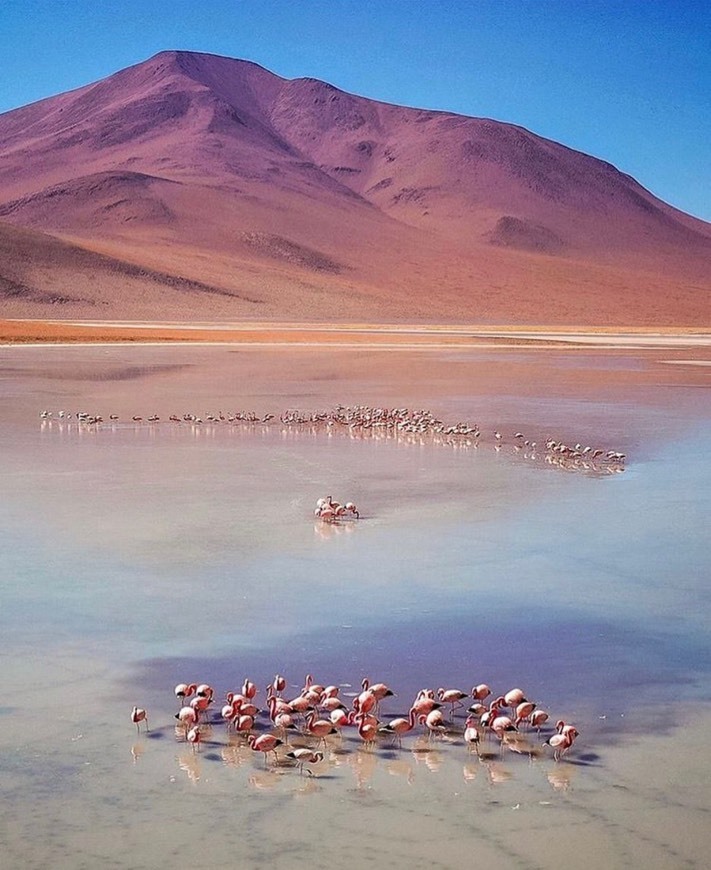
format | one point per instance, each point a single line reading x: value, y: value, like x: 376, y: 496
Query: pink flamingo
x: 300, y: 704
x: 367, y: 731
x: 249, y: 690
x: 279, y: 684
x: 200, y: 704
x: 230, y: 711
x: 561, y: 742
x: 471, y: 734
x: 401, y: 725
x: 310, y: 686
x: 264, y: 743
x: 538, y: 718
x: 277, y: 705
x: 187, y: 717
x: 425, y: 702
x: 249, y: 709
x: 452, y: 697
x: 494, y: 710
x: 305, y: 756
x: 513, y: 698
x: 523, y: 711
x: 481, y: 692
x: 501, y: 724
x: 366, y: 701
x: 434, y: 722
x: 340, y: 718
x: 285, y: 722
x: 380, y: 690
x: 139, y: 715
x: 184, y: 690
x: 326, y: 514
x: 319, y: 727
x: 194, y: 737
x: 244, y: 723
x: 331, y: 704
x: 312, y: 696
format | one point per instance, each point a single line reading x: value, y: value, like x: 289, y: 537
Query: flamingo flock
x: 331, y: 511
x: 316, y: 714
x: 363, y: 421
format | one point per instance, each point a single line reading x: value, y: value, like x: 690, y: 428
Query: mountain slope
x: 323, y: 204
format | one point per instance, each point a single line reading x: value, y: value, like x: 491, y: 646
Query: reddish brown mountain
x: 196, y: 186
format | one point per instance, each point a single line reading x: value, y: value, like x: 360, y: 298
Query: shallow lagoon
x: 139, y: 556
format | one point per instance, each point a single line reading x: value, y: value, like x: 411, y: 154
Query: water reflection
x: 594, y: 461
x: 369, y: 766
x: 561, y: 777
x: 135, y: 553
x: 191, y: 765
x: 345, y: 757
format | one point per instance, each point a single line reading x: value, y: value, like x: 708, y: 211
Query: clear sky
x: 628, y: 81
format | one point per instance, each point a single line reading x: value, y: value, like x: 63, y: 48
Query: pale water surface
x: 136, y: 556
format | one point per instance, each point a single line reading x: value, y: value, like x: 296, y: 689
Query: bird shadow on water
x: 211, y: 756
x: 584, y: 761
x: 587, y: 759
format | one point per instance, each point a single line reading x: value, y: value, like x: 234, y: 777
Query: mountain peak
x: 191, y: 151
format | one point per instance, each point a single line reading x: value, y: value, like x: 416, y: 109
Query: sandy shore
x: 390, y: 336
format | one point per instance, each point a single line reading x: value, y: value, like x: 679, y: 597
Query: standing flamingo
x: 471, y: 734
x: 561, y: 743
x: 249, y: 690
x: 380, y: 690
x: 183, y: 691
x: 244, y: 723
x: 187, y: 716
x: 425, y: 702
x: 201, y: 704
x: 367, y: 730
x: 400, y: 726
x: 278, y: 685
x: 501, y: 725
x: 139, y: 715
x: 434, y: 722
x: 305, y: 756
x: 524, y: 711
x: 339, y: 719
x: 285, y: 722
x: 194, y: 737
x: 319, y: 727
x: 310, y: 686
x: 278, y: 705
x: 452, y: 697
x: 481, y: 692
x: 537, y: 719
x: 513, y: 698
x: 230, y: 711
x: 265, y: 743
x: 366, y: 701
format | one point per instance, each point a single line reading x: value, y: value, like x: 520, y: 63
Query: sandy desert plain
x: 137, y: 556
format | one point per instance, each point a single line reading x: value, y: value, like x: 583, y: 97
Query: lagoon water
x: 137, y: 556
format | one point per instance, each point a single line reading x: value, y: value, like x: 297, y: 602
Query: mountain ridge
x: 188, y: 155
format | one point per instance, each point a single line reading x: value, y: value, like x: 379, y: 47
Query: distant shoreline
x: 351, y: 335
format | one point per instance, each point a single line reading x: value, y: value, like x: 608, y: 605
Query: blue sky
x: 628, y: 81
